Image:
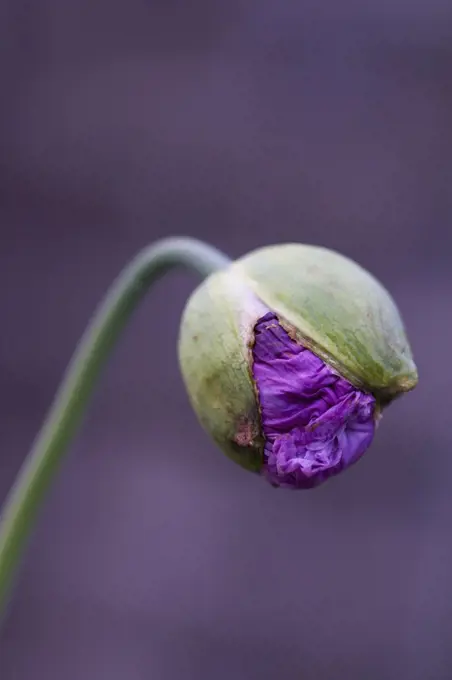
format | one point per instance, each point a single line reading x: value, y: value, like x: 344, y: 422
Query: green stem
x: 42, y: 463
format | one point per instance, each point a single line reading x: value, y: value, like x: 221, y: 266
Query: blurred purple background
x: 242, y: 123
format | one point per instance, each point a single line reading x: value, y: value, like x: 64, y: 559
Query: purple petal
x: 315, y: 422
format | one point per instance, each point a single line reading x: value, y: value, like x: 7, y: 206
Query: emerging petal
x: 315, y: 422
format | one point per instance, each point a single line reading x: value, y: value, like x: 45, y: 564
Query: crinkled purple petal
x: 315, y: 422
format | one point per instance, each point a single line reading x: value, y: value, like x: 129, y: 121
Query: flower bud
x: 289, y: 356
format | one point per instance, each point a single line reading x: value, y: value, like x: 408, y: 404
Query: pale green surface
x: 41, y: 464
x: 215, y: 360
x: 337, y: 309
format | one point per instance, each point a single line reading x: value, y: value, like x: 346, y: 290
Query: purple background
x: 242, y: 123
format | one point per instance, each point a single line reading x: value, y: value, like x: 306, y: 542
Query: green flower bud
x: 327, y: 305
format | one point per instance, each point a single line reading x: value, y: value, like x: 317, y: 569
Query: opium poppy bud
x: 289, y: 356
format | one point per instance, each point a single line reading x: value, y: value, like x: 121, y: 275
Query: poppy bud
x: 289, y: 356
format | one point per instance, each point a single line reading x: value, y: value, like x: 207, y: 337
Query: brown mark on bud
x: 246, y: 432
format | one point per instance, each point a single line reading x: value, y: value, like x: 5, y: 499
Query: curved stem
x: 71, y: 399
